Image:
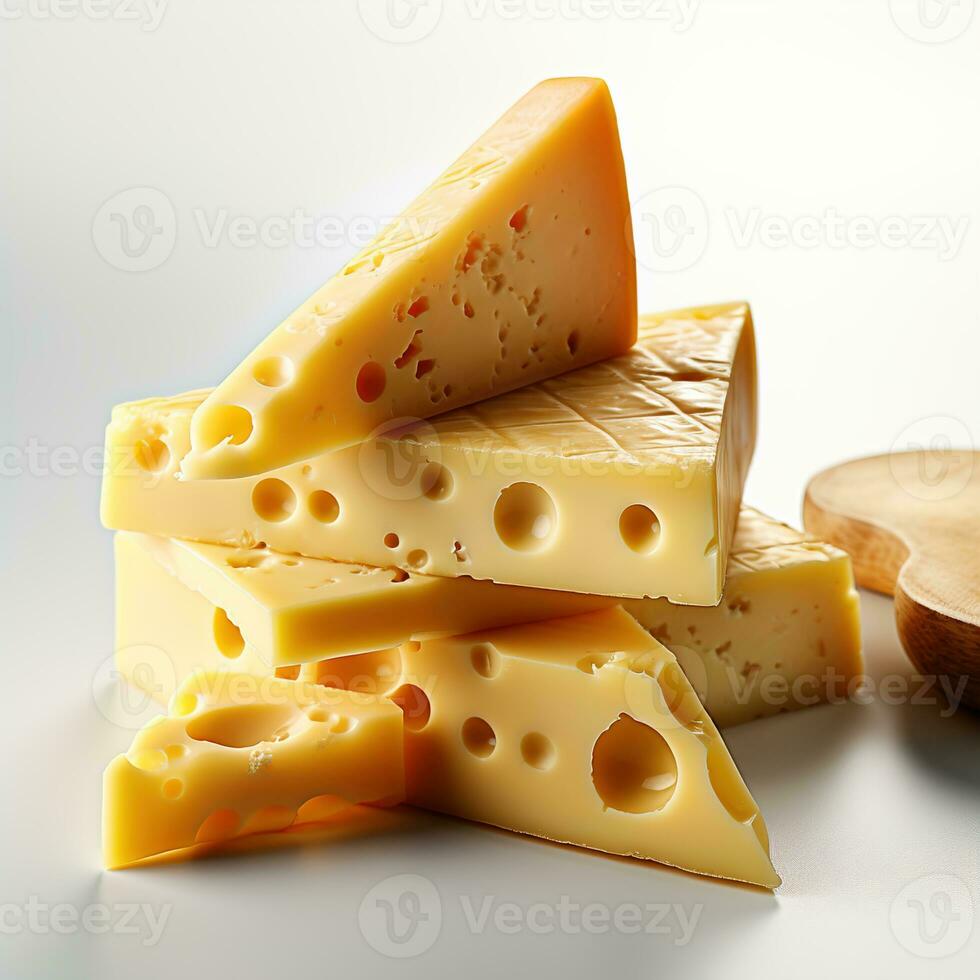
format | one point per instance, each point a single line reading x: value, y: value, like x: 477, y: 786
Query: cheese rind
x: 515, y: 265
x: 584, y: 731
x: 290, y: 610
x: 238, y: 754
x: 623, y: 478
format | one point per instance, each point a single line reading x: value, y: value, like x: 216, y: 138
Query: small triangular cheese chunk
x: 515, y: 265
x: 582, y: 730
x: 239, y: 754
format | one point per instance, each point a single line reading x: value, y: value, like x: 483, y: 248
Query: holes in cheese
x: 478, y: 737
x: 152, y: 455
x: 257, y: 754
x: 273, y: 500
x: 242, y: 725
x: 371, y: 382
x: 525, y: 517
x: 415, y: 706
x: 485, y: 660
x: 639, y: 527
x: 728, y: 784
x: 418, y: 558
x: 273, y: 371
x: 436, y: 482
x: 225, y: 424
x: 227, y: 636
x: 219, y: 826
x: 324, y: 506
x: 643, y: 470
x: 172, y: 789
x: 633, y: 768
x: 486, y: 243
x: 538, y: 751
x: 576, y: 715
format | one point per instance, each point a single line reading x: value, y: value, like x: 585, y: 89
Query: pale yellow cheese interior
x: 623, y: 478
x: 290, y: 609
x: 787, y: 634
x: 239, y: 754
x: 582, y: 730
x: 515, y: 265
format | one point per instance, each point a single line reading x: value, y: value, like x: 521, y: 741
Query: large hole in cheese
x: 525, y: 517
x: 241, y: 725
x: 639, y: 527
x: 222, y: 423
x: 227, y: 636
x: 633, y: 767
x: 273, y: 500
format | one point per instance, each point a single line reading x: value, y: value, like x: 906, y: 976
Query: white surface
x: 785, y: 111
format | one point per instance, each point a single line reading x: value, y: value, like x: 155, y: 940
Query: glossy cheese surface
x: 786, y: 634
x: 582, y: 730
x: 623, y: 478
x: 515, y: 265
x: 239, y: 754
x: 287, y: 610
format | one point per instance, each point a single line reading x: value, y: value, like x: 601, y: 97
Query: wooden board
x: 911, y: 523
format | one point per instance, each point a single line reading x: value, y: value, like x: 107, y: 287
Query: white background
x: 819, y: 120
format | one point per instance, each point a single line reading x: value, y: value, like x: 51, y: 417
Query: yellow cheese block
x: 288, y: 610
x: 623, y: 478
x: 582, y: 730
x: 786, y: 635
x: 239, y: 754
x: 515, y: 265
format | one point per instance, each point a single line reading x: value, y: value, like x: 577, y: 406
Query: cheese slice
x: 584, y: 731
x: 786, y: 636
x: 515, y: 265
x: 239, y: 754
x: 623, y: 478
x: 288, y: 610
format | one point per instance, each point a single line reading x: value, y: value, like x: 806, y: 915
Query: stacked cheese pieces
x: 464, y: 531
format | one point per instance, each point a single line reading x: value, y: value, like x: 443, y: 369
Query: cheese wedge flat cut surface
x: 238, y: 754
x: 788, y: 637
x: 786, y: 634
x: 515, y: 265
x: 582, y: 730
x: 289, y: 610
x: 623, y: 478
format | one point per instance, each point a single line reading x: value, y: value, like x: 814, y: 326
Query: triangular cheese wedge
x: 622, y: 478
x: 582, y: 730
x: 514, y: 266
x: 255, y: 605
x: 240, y: 754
